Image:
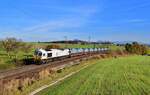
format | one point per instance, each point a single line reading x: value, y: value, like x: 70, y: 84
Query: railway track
x: 27, y: 68
x: 30, y: 71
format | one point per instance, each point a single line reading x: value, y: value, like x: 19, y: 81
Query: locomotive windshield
x: 38, y: 53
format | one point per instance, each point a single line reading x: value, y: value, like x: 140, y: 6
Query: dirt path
x: 55, y: 82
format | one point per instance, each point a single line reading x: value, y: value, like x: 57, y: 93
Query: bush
x: 59, y: 71
x: 136, y: 48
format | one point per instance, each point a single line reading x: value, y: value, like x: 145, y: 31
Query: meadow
x: 113, y: 76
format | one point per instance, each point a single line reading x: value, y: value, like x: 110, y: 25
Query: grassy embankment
x: 6, y: 62
x: 45, y: 78
x: 121, y: 76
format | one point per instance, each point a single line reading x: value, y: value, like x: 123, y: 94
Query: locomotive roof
x: 43, y: 50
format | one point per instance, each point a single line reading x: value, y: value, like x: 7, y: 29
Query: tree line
x: 136, y: 48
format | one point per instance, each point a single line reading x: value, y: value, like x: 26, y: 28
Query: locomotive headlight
x: 37, y: 59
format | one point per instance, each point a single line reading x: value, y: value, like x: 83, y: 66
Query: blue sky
x: 46, y: 20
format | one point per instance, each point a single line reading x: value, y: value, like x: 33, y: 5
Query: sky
x: 101, y: 20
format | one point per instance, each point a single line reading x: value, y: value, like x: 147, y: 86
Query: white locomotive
x: 52, y: 53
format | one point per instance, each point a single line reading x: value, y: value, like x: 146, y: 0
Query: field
x: 114, y: 76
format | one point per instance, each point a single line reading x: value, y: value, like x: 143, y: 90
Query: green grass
x: 121, y: 76
x: 5, y: 62
x: 54, y: 76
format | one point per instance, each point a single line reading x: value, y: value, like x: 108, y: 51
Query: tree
x: 144, y: 49
x: 52, y: 47
x: 11, y: 45
x: 128, y: 47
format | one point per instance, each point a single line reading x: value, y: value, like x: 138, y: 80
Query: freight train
x: 44, y: 56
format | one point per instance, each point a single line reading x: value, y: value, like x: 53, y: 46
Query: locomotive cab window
x: 49, y: 55
x: 43, y: 54
x: 40, y: 53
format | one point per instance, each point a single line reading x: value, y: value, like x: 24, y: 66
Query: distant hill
x: 71, y: 42
x: 80, y: 42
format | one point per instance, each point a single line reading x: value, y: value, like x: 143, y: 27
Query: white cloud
x: 135, y: 20
x: 55, y: 25
x: 79, y: 17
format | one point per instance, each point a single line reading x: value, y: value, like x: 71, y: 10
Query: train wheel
x: 44, y: 62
